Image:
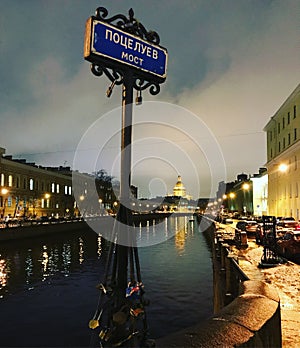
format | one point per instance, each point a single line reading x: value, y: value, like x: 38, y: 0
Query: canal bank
x: 20, y: 229
x: 284, y: 278
x: 266, y: 311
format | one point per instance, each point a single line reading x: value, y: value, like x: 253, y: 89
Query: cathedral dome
x: 179, y: 189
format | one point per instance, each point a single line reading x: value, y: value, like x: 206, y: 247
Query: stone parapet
x: 250, y: 320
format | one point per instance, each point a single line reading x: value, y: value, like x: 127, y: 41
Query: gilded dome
x: 179, y: 189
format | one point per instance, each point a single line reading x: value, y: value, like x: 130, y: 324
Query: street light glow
x: 283, y: 167
x: 4, y: 191
x: 246, y: 186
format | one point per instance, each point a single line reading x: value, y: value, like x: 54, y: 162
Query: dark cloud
x: 228, y: 60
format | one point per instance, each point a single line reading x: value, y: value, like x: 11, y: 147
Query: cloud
x: 232, y: 63
x: 236, y: 105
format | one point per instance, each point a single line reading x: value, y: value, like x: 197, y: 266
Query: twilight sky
x: 231, y: 65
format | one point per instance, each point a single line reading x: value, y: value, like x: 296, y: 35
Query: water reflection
x: 28, y: 266
x: 3, y: 273
x: 81, y: 251
x: 45, y: 261
x: 25, y: 263
x: 183, y: 230
x: 62, y: 272
x: 99, y: 245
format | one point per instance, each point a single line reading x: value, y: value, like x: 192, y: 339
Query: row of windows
x: 288, y: 140
x: 33, y: 184
x: 288, y: 119
x: 283, y: 123
x: 285, y: 142
x: 28, y: 201
x: 291, y: 190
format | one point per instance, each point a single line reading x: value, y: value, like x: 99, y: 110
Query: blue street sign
x: 104, y: 41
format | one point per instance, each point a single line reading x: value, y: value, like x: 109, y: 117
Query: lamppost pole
x: 124, y: 212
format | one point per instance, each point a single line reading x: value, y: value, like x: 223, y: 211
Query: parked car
x: 227, y: 221
x: 289, y: 244
x: 288, y: 224
x: 250, y: 226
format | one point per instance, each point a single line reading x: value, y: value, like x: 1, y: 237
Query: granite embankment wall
x: 247, y: 312
x: 32, y: 228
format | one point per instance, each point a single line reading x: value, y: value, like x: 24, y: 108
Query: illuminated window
x: 2, y: 180
x: 31, y: 184
x: 66, y: 189
x: 53, y: 187
x: 57, y: 188
x: 10, y: 180
x: 43, y: 203
x: 70, y: 190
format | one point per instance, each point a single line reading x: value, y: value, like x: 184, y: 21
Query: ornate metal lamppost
x: 122, y: 49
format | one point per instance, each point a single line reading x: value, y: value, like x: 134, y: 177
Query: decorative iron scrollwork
x: 116, y: 74
x: 130, y: 25
x: 141, y: 85
x: 113, y: 75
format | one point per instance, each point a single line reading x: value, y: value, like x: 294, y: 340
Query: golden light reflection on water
x: 28, y: 266
x: 81, y: 251
x: 183, y: 229
x: 3, y: 273
x: 66, y: 258
x: 99, y: 245
x: 45, y: 261
x: 25, y: 267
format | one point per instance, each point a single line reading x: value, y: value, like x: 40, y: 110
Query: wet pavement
x: 285, y: 279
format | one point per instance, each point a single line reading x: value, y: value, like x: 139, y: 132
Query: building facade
x: 28, y: 190
x: 283, y: 154
x: 247, y: 195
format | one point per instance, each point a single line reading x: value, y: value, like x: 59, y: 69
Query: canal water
x: 48, y: 285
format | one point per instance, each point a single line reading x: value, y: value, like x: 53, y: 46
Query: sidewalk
x: 285, y: 278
